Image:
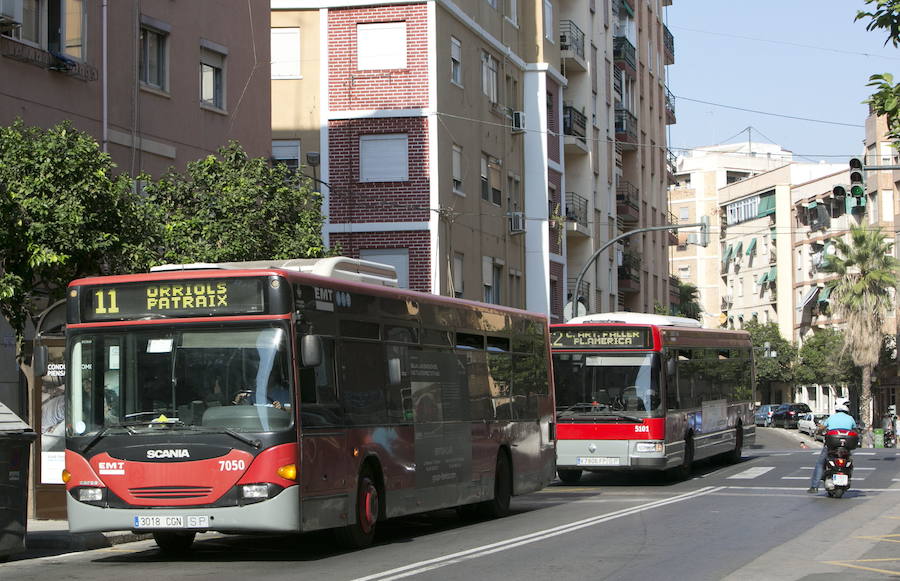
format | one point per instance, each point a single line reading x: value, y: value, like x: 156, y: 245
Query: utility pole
x: 704, y: 241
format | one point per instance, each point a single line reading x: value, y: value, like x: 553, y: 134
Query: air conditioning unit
x: 516, y: 222
x: 518, y: 121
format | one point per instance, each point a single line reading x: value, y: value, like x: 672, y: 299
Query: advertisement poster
x: 53, y: 416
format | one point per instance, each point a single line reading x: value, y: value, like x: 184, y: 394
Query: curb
x: 80, y: 541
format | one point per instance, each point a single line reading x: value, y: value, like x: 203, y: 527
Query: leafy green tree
x: 688, y: 300
x: 63, y: 215
x: 779, y: 368
x: 885, y: 15
x: 822, y: 360
x: 232, y: 207
x: 865, y: 273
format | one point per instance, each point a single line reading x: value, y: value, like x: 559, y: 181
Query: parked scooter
x: 839, y: 464
x: 890, y: 438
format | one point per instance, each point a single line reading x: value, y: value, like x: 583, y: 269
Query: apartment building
x: 615, y: 113
x: 157, y: 83
x: 699, y: 175
x: 434, y: 131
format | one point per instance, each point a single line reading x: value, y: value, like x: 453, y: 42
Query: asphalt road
x: 751, y: 520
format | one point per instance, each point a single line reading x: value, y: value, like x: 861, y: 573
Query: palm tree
x: 688, y: 300
x: 866, y: 272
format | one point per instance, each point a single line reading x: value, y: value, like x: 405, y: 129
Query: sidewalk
x: 54, y: 535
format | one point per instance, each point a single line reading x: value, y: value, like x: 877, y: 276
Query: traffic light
x: 857, y: 178
x: 704, y: 232
x: 839, y: 191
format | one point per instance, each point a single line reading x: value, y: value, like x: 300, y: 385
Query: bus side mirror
x: 39, y: 360
x: 311, y: 351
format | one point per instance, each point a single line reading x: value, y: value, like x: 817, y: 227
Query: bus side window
x: 671, y: 371
x: 318, y: 393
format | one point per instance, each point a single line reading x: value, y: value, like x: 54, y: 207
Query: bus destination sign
x: 601, y: 338
x: 184, y: 298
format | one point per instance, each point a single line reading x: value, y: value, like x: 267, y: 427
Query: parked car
x: 809, y: 423
x: 788, y: 414
x: 763, y: 414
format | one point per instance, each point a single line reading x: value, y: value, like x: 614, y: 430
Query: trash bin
x: 16, y: 438
x: 878, y: 433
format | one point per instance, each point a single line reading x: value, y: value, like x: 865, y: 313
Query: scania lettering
x: 294, y: 396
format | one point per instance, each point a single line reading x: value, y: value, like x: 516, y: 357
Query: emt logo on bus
x: 185, y: 298
x: 605, y: 337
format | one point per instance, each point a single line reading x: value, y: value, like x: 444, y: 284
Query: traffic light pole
x: 595, y: 255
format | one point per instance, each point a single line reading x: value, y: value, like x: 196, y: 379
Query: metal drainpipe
x: 104, y: 113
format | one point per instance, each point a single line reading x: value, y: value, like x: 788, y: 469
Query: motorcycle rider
x: 840, y: 420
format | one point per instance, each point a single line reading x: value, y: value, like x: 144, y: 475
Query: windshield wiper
x: 619, y: 416
x: 105, y: 430
x: 582, y: 406
x: 234, y: 434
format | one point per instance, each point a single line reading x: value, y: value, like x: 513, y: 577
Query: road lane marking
x: 852, y: 566
x: 795, y: 488
x: 751, y: 473
x: 474, y: 553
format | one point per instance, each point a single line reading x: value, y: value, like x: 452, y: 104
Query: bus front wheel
x: 498, y: 506
x: 170, y: 542
x: 683, y: 472
x: 368, y: 509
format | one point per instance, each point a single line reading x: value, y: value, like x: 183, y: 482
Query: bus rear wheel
x: 735, y: 455
x: 174, y: 543
x: 569, y: 475
x: 498, y: 506
x: 368, y: 509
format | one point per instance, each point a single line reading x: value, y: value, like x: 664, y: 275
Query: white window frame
x: 161, y: 80
x: 380, y: 45
x: 456, y: 169
x: 489, y: 68
x: 396, y: 257
x: 384, y: 157
x: 212, y: 69
x: 512, y: 11
x: 287, y: 151
x: 455, y: 61
x: 286, y: 53
x: 548, y: 22
x: 459, y: 285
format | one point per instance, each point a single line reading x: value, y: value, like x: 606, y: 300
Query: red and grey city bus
x: 650, y: 392
x: 290, y: 397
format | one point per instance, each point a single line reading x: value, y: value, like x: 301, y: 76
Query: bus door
x: 323, y: 437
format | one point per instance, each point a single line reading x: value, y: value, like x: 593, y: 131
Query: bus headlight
x: 648, y: 447
x: 90, y: 494
x: 255, y: 491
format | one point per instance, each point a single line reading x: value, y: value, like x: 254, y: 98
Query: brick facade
x: 352, y: 89
x: 417, y: 242
x: 355, y: 201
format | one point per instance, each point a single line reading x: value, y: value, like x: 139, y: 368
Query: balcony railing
x: 577, y: 209
x: 668, y: 46
x: 626, y: 126
x: 571, y: 38
x: 574, y: 122
x: 624, y: 54
x: 670, y: 107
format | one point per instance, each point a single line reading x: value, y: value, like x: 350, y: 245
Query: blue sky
x: 798, y: 58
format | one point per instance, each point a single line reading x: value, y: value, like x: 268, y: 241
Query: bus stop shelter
x: 16, y: 438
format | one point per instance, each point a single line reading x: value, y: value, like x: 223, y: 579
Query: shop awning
x: 808, y: 298
x: 751, y: 247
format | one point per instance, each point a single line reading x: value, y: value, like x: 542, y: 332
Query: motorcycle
x: 838, y: 463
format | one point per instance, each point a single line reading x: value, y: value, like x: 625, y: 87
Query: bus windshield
x: 593, y: 385
x: 226, y: 379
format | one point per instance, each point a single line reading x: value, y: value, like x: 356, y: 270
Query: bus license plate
x: 840, y: 479
x: 170, y: 522
x: 597, y: 461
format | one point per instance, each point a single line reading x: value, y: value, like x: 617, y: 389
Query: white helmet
x: 842, y: 408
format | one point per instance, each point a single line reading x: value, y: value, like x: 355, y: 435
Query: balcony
x: 671, y: 165
x: 577, y: 215
x: 670, y: 108
x: 575, y: 130
x: 624, y: 56
x: 629, y: 280
x: 672, y: 234
x: 626, y: 128
x: 627, y: 203
x: 571, y: 47
x: 668, y: 46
